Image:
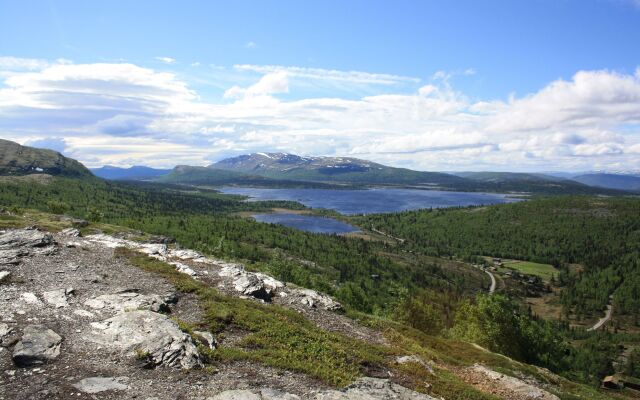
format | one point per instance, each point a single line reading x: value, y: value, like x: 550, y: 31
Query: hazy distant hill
x: 334, y: 169
x: 509, y: 177
x: 532, y: 182
x: 184, y: 174
x: 611, y: 181
x: 132, y: 173
x: 16, y: 159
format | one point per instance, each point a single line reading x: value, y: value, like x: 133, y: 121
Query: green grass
x: 544, y: 271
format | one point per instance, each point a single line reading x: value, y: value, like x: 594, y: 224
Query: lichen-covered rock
x: 148, y: 335
x: 38, y: 345
x: 372, y: 388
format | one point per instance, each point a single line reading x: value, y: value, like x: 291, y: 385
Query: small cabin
x: 611, y: 382
x: 497, y: 261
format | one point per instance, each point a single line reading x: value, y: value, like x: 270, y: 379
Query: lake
x: 307, y: 223
x: 371, y: 201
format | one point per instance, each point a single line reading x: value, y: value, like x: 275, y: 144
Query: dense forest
x: 600, y: 234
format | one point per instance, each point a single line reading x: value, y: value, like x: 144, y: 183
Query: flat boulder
x: 149, y: 337
x: 127, y: 301
x: 38, y: 345
x: 100, y: 384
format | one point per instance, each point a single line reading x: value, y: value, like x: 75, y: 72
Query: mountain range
x: 290, y: 170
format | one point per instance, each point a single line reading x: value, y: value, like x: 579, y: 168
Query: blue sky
x: 454, y: 81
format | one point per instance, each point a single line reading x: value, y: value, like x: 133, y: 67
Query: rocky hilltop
x: 118, y: 317
x: 23, y: 160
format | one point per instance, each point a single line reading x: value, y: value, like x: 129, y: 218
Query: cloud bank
x: 124, y: 114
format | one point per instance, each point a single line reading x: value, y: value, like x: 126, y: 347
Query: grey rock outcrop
x: 57, y: 298
x: 372, y: 388
x: 146, y: 334
x: 18, y: 243
x: 100, y: 384
x: 38, y: 345
x: 362, y: 389
x: 127, y: 301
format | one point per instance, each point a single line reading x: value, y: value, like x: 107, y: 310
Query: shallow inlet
x: 307, y: 223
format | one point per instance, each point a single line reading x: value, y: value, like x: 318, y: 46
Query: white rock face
x: 149, y: 334
x: 252, y: 284
x: 101, y: 384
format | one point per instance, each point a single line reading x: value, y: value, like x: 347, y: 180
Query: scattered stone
x: 30, y: 298
x: 273, y: 394
x: 71, y: 232
x: 414, y: 360
x: 76, y: 222
x: 313, y: 299
x: 510, y: 385
x: 372, y: 388
x: 38, y: 345
x: 4, y: 275
x: 83, y: 313
x: 206, y: 338
x: 56, y: 298
x: 127, y: 301
x: 148, y: 335
x: 185, y: 269
x: 5, y: 329
x: 236, y: 395
x: 362, y: 389
x: 101, y: 384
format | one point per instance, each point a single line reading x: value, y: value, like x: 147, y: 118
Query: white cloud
x: 329, y: 74
x: 124, y: 114
x: 250, y: 45
x: 17, y: 64
x: 166, y: 60
x: 271, y: 83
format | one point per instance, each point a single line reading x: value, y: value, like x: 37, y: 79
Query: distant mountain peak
x: 16, y: 159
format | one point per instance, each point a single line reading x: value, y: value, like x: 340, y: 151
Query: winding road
x: 607, y: 316
x: 492, y: 288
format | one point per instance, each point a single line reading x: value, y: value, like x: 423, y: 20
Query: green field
x: 544, y: 271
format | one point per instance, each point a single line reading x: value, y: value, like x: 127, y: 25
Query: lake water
x: 371, y: 201
x: 307, y: 223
